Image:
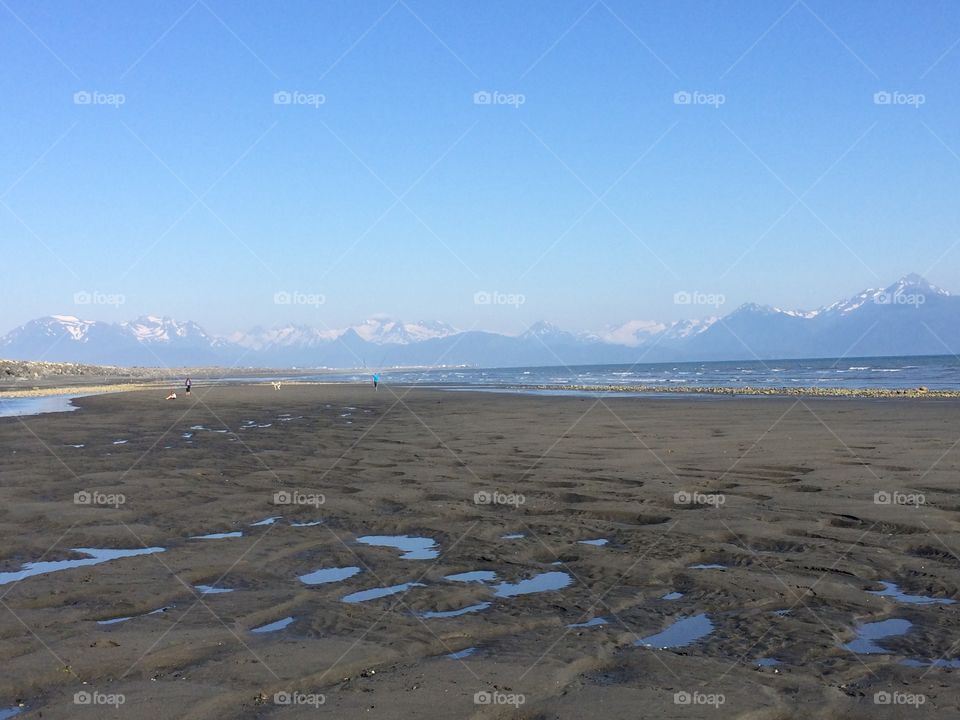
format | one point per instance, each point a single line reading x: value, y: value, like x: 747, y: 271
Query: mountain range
x: 910, y: 317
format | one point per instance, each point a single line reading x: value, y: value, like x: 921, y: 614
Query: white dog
x: 276, y: 385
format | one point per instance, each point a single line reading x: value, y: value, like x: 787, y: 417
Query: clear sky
x: 178, y: 179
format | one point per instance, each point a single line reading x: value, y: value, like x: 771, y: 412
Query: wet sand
x: 779, y: 492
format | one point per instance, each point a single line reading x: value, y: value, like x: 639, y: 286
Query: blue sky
x: 584, y: 187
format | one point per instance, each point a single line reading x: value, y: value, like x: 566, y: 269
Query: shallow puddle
x: 218, y: 536
x: 681, y: 633
x: 266, y: 521
x: 95, y: 557
x: 868, y: 633
x: 672, y: 596
x: 274, y: 626
x: 329, y: 575
x: 479, y: 576
x: 211, y: 590
x: 114, y: 621
x: 311, y: 523
x: 513, y: 536
x: 891, y: 590
x: 766, y: 662
x: 9, y: 712
x: 707, y: 566
x: 413, y: 547
x: 599, y: 542
x: 593, y: 622
x: 374, y: 593
x: 454, y: 613
x: 461, y: 654
x: 120, y: 442
x: 544, y: 582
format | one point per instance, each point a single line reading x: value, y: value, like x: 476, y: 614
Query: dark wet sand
x: 799, y: 530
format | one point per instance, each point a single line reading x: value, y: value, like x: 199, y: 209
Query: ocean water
x: 933, y: 372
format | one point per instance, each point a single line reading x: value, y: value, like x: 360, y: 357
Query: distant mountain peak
x: 542, y: 329
x: 918, y: 283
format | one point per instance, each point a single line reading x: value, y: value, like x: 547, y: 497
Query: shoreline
x: 102, y: 388
x: 920, y: 392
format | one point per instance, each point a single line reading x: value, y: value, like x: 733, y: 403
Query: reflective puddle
x: 707, y: 566
x: 218, y: 536
x: 479, y: 576
x: 460, y: 654
x: 599, y: 542
x: 374, y: 593
x: 120, y: 442
x: 114, y: 621
x: 455, y: 613
x: 274, y: 626
x: 266, y: 521
x: 413, y: 547
x: 311, y: 523
x: 513, y: 536
x: 868, y: 633
x: 211, y: 590
x: 329, y: 575
x: 544, y: 582
x: 681, y: 633
x: 9, y: 712
x: 95, y: 557
x: 766, y: 662
x: 672, y: 596
x: 9, y: 407
x: 891, y: 590
x: 593, y: 622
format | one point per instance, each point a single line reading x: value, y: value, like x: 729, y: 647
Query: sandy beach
x: 813, y: 519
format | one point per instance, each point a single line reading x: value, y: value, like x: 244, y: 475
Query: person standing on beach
x: 376, y: 380
x: 188, y: 383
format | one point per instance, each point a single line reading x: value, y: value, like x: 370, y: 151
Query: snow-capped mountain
x: 635, y: 333
x: 150, y: 329
x: 910, y: 317
x: 379, y: 331
x: 383, y: 331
